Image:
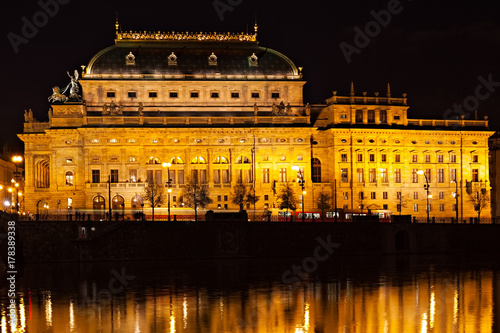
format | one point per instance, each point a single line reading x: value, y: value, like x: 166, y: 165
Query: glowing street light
x: 301, y: 181
x: 169, y: 190
x: 426, y: 188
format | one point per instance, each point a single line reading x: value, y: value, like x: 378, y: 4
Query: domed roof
x: 190, y: 54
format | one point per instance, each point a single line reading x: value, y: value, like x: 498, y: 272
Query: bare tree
x: 323, y: 202
x: 196, y: 195
x: 154, y: 194
x: 243, y: 195
x: 287, y: 199
x: 480, y: 199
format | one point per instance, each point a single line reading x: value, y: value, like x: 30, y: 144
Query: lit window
x: 69, y: 178
x: 113, y: 141
x: 283, y: 158
x: 300, y: 158
x: 131, y: 140
x: 198, y: 160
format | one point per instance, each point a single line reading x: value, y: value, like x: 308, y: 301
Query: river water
x: 349, y: 294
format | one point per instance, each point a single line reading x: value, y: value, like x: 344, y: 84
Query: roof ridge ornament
x: 183, y: 36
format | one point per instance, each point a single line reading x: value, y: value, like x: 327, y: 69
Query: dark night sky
x: 434, y: 52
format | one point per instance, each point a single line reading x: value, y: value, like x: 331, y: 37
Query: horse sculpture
x: 56, y: 96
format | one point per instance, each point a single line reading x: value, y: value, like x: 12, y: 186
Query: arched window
x: 242, y: 159
x: 42, y: 208
x: 176, y: 160
x: 99, y: 202
x: 198, y: 160
x: 118, y: 202
x: 42, y: 174
x: 220, y: 160
x: 153, y: 160
x: 137, y: 202
x: 69, y: 178
x: 316, y: 170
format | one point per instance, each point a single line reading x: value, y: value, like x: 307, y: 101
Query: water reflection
x: 416, y: 298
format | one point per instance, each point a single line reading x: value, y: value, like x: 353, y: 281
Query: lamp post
x: 301, y: 181
x: 17, y: 159
x: 169, y: 190
x: 426, y: 188
x: 456, y: 195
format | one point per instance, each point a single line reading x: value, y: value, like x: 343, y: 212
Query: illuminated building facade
x: 227, y: 110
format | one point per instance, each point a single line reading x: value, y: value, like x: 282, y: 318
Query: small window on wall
x: 275, y: 95
x: 214, y: 95
x: 195, y: 94
x: 153, y: 94
x: 255, y: 95
x: 110, y: 94
x: 132, y: 94
x: 235, y: 95
x: 173, y: 94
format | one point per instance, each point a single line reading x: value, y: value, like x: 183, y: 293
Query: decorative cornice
x: 185, y: 36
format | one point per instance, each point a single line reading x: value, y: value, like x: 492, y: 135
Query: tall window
x: 428, y: 174
x: 343, y: 157
x: 372, y: 157
x: 384, y: 157
x: 132, y: 174
x: 316, y: 170
x: 244, y: 176
x: 398, y: 195
x: 475, y: 158
x: 343, y: 175
x: 69, y: 178
x: 440, y: 158
x: 397, y: 175
x: 372, y: 175
x: 414, y: 175
x: 397, y: 158
x: 282, y: 175
x: 359, y: 116
x: 414, y: 158
x: 453, y: 175
x: 42, y: 174
x: 360, y: 157
x: 427, y: 158
x: 200, y: 176
x: 373, y: 195
x: 415, y: 207
x: 453, y: 158
x: 415, y: 195
x: 371, y: 116
x: 475, y: 175
x: 265, y: 176
x: 360, y: 175
x: 383, y: 116
x: 383, y: 174
x: 114, y: 176
x: 96, y: 176
x: 440, y: 175
x: 217, y: 176
x: 180, y: 176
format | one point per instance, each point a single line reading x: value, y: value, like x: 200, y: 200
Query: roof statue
x: 70, y: 93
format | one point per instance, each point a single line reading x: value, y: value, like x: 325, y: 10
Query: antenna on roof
x: 117, y: 25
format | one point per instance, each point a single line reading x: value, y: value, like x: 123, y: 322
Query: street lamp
x: 17, y: 159
x: 301, y: 181
x: 426, y: 188
x: 169, y: 190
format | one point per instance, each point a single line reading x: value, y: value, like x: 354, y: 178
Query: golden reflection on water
x: 430, y: 302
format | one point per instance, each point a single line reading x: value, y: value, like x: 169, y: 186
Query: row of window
x: 192, y: 94
x: 372, y: 175
x: 397, y: 141
x: 194, y: 160
x: 397, y: 158
x: 385, y: 195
